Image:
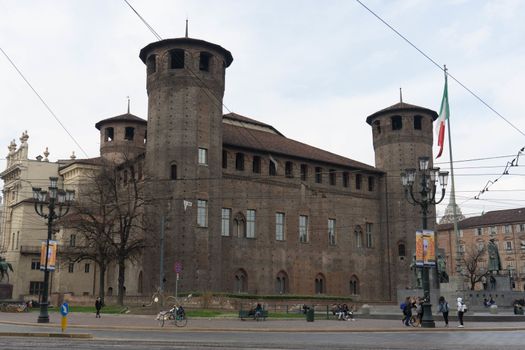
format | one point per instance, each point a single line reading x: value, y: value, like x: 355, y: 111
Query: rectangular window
x: 332, y: 175
x: 177, y: 59
x: 417, y: 122
x: 239, y: 161
x: 279, y: 226
x: 304, y: 172
x: 493, y: 230
x: 358, y: 181
x: 462, y: 248
x: 72, y: 241
x: 318, y: 175
x: 109, y: 134
x: 272, y: 168
x: 303, y: 228
x: 86, y: 268
x: 508, y: 229
x: 288, y: 169
x: 479, y: 231
x: 70, y: 267
x: 203, y: 156
x: 331, y: 231
x: 256, y: 165
x: 129, y: 133
x: 35, y: 264
x: 226, y: 217
x: 370, y: 183
x: 202, y: 213
x: 346, y: 179
x: 369, y: 235
x: 508, y: 245
x: 36, y: 287
x: 204, y: 61
x: 250, y: 223
x: 520, y: 227
x: 460, y: 233
x: 397, y: 122
x: 224, y: 159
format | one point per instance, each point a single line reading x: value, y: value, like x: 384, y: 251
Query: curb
x: 248, y: 330
x: 47, y: 335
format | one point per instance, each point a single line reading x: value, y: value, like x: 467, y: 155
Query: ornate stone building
x: 235, y: 206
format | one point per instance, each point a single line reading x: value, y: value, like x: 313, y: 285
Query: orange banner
x: 425, y: 248
x: 51, y: 255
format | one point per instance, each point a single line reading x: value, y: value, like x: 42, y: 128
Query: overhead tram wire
x: 440, y: 68
x: 44, y: 102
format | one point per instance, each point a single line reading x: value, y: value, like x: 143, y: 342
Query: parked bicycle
x: 175, y: 315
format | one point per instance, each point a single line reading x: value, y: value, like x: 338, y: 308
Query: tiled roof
x: 121, y: 118
x: 243, y: 119
x: 401, y: 107
x: 267, y: 142
x: 496, y: 217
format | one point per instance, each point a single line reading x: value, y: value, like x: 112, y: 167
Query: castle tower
x: 185, y: 85
x: 401, y: 133
x: 122, y: 137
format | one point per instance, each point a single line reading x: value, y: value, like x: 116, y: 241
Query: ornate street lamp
x: 53, y: 199
x: 431, y: 178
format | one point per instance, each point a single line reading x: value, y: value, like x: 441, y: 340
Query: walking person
x: 407, y: 311
x: 98, y: 306
x: 461, y: 310
x: 444, y: 309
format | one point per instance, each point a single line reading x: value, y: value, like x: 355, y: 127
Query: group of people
x: 343, y: 312
x: 488, y: 303
x: 413, y: 311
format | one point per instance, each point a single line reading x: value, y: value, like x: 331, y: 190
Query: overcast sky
x: 314, y: 70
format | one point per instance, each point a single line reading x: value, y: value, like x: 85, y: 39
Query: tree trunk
x: 102, y: 281
x: 121, y: 280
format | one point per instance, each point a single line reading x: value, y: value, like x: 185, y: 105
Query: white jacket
x: 461, y: 306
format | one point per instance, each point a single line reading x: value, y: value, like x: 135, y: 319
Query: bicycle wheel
x: 160, y: 319
x: 181, y: 321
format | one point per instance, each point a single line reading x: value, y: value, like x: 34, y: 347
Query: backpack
x: 402, y: 306
x: 464, y: 307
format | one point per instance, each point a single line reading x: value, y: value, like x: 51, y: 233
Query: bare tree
x: 472, y: 263
x: 109, y: 219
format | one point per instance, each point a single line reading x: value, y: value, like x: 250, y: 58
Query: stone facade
x: 507, y: 227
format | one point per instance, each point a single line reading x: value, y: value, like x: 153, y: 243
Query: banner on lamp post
x: 51, y: 256
x: 425, y: 248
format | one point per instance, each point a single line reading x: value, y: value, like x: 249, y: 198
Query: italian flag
x: 444, y: 113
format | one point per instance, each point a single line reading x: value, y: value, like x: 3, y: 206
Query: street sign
x: 64, y: 309
x: 178, y: 267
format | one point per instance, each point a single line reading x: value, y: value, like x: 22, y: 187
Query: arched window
x: 281, y: 283
x: 110, y: 291
x: 354, y: 285
x: 239, y: 225
x: 320, y: 285
x: 108, y: 134
x: 241, y: 281
x: 177, y: 59
x: 129, y: 133
x: 401, y: 250
x: 358, y: 236
x: 173, y: 171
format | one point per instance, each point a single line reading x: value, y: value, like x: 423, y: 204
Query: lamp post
x: 53, y: 199
x: 430, y: 178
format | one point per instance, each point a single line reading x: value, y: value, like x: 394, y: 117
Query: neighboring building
x: 507, y: 227
x: 245, y: 209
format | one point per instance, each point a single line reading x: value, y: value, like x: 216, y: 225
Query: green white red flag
x: 444, y: 114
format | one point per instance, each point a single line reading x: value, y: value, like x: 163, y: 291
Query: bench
x: 249, y: 314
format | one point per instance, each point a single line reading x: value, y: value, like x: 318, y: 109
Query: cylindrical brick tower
x: 401, y: 133
x: 183, y: 163
x: 122, y: 137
